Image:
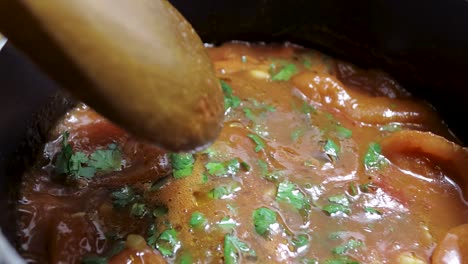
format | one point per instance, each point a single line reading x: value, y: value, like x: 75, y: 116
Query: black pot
x: 423, y: 44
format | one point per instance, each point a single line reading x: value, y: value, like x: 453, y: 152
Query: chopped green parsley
x: 371, y: 210
x: 258, y: 141
x: 197, y: 220
x: 230, y: 101
x: 339, y: 199
x: 138, y: 210
x: 168, y: 243
x: 341, y: 260
x: 373, y: 158
x: 80, y: 165
x: 109, y: 159
x: 227, y: 223
x: 285, y: 73
x: 263, y: 218
x: 269, y: 175
x: 300, y: 241
x: 352, y: 244
x: 338, y: 203
x: 160, y: 211
x: 335, y: 208
x: 233, y: 247
x: 249, y: 114
x: 230, y: 167
x: 289, y: 193
x: 343, y: 132
x: 223, y: 191
x: 307, y: 108
x: 331, y: 149
x: 123, y: 197
x: 182, y: 164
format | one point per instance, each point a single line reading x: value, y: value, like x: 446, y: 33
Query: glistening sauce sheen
x: 318, y: 162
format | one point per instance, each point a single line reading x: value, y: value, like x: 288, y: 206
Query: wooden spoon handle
x: 139, y: 63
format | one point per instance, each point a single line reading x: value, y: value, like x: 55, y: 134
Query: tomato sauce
x: 318, y: 162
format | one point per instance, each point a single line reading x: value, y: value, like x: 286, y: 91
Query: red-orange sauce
x: 334, y: 151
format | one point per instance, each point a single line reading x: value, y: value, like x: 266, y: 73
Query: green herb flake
x: 371, y: 210
x: 78, y: 164
x: 168, y: 243
x: 352, y: 244
x: 245, y: 166
x: 341, y: 260
x: 300, y: 241
x: 335, y: 208
x: 263, y: 166
x: 233, y: 166
x: 233, y: 247
x: 204, y: 178
x: 160, y: 211
x: 269, y: 108
x: 338, y: 203
x: 230, y: 100
x: 123, y: 197
x: 159, y: 183
x: 216, y: 168
x: 339, y: 199
x: 227, y: 223
x: 197, y: 220
x: 307, y: 108
x: 182, y: 164
x: 138, y: 210
x: 94, y: 260
x: 152, y: 238
x: 186, y: 259
x: 230, y: 252
x: 219, y: 169
x: 373, y: 158
x: 218, y: 192
x: 367, y: 187
x: 232, y: 208
x: 343, y: 132
x: 353, y: 190
x: 288, y: 192
x: 76, y: 169
x: 223, y: 191
x: 109, y: 159
x: 269, y: 175
x: 285, y: 73
x: 249, y: 114
x: 210, y: 152
x: 63, y: 157
x: 263, y: 218
x: 331, y: 149
x: 258, y: 141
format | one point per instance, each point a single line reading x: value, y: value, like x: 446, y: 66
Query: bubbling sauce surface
x: 318, y: 162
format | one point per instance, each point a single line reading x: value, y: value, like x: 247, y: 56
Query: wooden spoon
x: 139, y: 63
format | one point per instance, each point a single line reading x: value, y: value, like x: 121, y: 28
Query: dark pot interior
x: 421, y: 43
